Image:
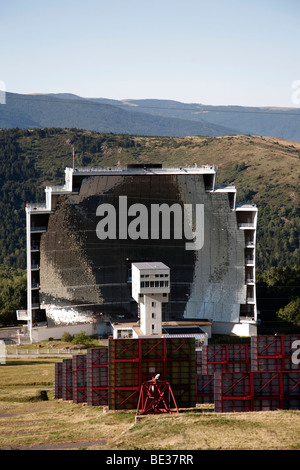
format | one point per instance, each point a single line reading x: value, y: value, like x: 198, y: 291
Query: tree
x: 291, y: 312
x: 12, y: 294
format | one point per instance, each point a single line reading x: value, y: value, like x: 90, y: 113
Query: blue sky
x: 211, y: 52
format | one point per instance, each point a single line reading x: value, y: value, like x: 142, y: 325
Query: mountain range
x: 147, y: 117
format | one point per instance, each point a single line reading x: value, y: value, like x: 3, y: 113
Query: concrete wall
x: 44, y: 333
x: 150, y: 314
x: 236, y: 329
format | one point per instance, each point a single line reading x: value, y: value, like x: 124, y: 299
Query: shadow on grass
x: 28, y: 362
x: 204, y: 409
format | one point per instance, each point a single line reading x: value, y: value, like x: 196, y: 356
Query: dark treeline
x: 278, y: 293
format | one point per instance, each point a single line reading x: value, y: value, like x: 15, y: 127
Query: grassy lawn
x: 28, y: 420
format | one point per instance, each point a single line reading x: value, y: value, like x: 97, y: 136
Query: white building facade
x: 150, y: 288
x: 79, y: 260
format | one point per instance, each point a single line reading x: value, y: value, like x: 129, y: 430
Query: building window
x: 153, y: 304
x: 124, y: 333
x: 153, y: 316
x: 152, y: 327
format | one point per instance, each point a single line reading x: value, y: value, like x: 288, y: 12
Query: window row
x: 164, y: 294
x: 154, y: 284
x: 154, y: 275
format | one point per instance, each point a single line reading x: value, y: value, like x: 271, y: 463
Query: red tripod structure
x: 156, y: 396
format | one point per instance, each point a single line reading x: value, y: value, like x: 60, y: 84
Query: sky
x: 211, y: 52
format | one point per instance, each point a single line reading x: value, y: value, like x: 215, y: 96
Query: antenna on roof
x: 73, y: 159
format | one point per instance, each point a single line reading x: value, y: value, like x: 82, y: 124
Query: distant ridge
x: 149, y: 117
x: 71, y: 111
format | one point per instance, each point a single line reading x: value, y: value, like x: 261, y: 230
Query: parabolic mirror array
x: 83, y: 278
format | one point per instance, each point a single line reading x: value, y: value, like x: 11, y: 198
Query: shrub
x: 67, y: 337
x: 81, y: 338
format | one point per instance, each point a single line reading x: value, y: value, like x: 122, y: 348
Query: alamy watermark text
x: 2, y: 92
x: 135, y: 222
x: 296, y: 353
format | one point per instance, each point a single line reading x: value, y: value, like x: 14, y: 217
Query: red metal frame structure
x: 257, y: 391
x: 79, y: 378
x: 225, y: 358
x: 113, y: 376
x: 273, y: 352
x: 97, y: 376
x: 58, y: 380
x: 124, y: 373
x: 134, y: 361
x: 156, y: 397
x: 198, y: 362
x: 67, y: 385
x: 205, y: 388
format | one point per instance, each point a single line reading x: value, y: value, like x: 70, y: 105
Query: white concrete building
x: 75, y: 277
x: 150, y: 288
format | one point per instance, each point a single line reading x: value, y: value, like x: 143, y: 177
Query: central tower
x: 150, y: 287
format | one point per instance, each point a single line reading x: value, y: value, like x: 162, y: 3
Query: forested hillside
x: 266, y: 171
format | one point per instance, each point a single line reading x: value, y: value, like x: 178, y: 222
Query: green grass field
x: 29, y: 421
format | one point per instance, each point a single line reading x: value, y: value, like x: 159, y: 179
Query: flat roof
x: 184, y: 327
x: 200, y: 170
x: 246, y: 207
x: 187, y: 322
x: 182, y: 330
x: 150, y: 265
